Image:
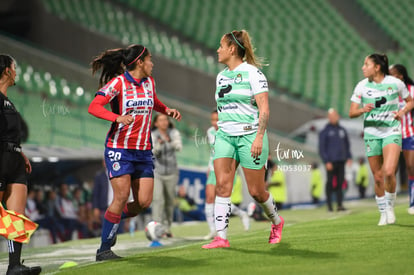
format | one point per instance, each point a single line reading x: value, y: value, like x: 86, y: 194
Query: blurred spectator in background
x: 166, y: 142
x: 52, y: 214
x: 31, y: 209
x: 277, y: 187
x: 186, y: 209
x: 36, y: 210
x: 362, y: 178
x: 316, y: 183
x: 79, y: 203
x: 68, y: 216
x: 334, y: 149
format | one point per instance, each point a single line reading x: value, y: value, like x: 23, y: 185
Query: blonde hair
x: 241, y: 40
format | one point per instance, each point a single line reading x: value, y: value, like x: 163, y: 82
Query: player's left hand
x: 257, y: 146
x: 174, y: 114
x: 27, y: 164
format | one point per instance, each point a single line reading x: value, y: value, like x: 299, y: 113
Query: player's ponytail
x: 382, y: 60
x: 114, y: 62
x: 241, y: 40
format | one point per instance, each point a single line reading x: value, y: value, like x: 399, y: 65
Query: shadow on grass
x: 284, y: 249
x: 404, y: 225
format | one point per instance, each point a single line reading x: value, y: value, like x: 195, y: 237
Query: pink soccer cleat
x: 217, y: 243
x: 276, y: 232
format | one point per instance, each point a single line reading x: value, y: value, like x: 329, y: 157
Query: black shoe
x: 106, y: 255
x: 21, y: 269
x: 113, y: 241
x: 341, y: 208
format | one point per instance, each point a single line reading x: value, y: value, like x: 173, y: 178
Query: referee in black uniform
x: 14, y: 165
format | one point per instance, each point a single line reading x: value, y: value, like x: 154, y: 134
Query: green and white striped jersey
x: 237, y: 109
x: 379, y: 122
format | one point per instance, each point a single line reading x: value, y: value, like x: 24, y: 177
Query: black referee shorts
x: 12, y: 169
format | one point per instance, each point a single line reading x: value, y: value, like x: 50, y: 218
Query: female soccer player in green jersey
x: 243, y: 112
x: 379, y: 95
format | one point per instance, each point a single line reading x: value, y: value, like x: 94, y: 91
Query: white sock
x: 222, y: 210
x: 209, y: 209
x: 270, y: 210
x: 381, y: 202
x: 390, y: 198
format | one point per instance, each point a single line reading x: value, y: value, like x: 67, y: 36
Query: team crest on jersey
x: 147, y: 86
x: 390, y: 90
x: 238, y: 79
x: 368, y: 148
x: 116, y: 166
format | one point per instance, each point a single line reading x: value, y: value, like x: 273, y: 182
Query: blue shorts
x: 137, y: 163
x: 408, y: 143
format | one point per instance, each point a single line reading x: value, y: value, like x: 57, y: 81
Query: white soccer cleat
x: 390, y: 215
x: 383, y: 219
x: 411, y: 210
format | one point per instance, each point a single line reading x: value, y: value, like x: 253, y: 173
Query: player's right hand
x: 368, y: 107
x: 128, y: 119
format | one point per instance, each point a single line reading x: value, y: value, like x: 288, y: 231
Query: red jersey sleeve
x: 105, y: 94
x: 158, y: 105
x: 96, y: 108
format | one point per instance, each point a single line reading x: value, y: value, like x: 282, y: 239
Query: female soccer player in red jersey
x: 130, y: 89
x: 400, y: 72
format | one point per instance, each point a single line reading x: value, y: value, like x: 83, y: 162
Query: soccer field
x: 314, y: 242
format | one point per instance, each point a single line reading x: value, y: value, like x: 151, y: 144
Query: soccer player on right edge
x: 400, y: 72
x: 379, y: 95
x: 243, y: 110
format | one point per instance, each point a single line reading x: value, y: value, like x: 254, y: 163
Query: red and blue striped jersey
x: 135, y: 97
x: 407, y: 126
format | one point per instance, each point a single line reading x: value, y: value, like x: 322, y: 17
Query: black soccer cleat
x: 106, y: 255
x: 113, y: 241
x: 21, y: 269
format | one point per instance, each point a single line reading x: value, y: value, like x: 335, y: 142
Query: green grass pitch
x: 314, y: 242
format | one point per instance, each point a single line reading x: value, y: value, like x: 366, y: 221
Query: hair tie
x: 137, y: 57
x: 238, y: 43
